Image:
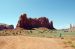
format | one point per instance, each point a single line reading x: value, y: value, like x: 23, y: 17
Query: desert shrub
x: 13, y: 33
x: 73, y: 45
x: 16, y: 33
x: 30, y: 31
x: 60, y: 35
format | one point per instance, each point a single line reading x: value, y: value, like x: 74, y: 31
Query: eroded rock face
x: 29, y: 23
x: 5, y: 26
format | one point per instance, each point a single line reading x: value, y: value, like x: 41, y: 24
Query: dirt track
x: 24, y: 42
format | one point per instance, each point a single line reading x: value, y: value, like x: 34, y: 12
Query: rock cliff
x: 29, y: 23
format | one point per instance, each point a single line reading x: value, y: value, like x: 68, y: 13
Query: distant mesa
x: 30, y: 23
x: 72, y: 28
x: 5, y: 26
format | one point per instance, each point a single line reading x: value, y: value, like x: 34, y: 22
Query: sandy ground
x: 24, y: 42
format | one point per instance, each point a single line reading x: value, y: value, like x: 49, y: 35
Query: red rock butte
x: 5, y: 26
x: 30, y: 23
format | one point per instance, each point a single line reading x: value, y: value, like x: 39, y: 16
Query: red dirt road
x: 24, y: 42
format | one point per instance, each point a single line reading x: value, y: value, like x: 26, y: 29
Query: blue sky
x: 61, y: 12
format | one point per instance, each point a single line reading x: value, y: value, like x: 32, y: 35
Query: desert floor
x: 25, y: 42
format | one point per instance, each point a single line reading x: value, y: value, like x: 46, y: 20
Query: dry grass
x: 69, y: 42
